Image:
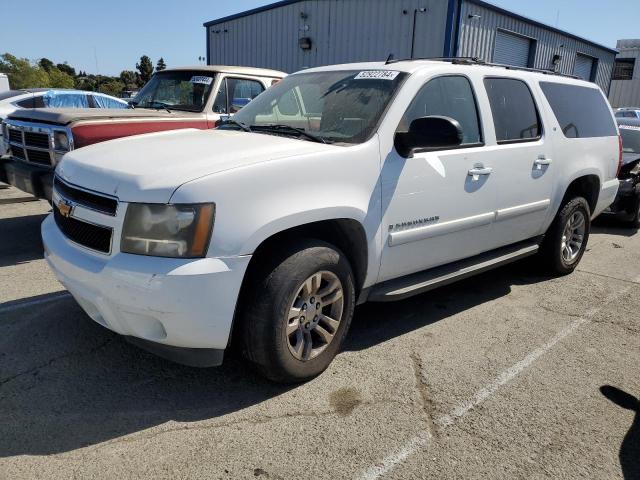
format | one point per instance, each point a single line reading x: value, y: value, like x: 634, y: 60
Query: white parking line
x: 421, y: 439
x: 30, y: 303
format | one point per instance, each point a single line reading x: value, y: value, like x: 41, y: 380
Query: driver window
x: 450, y: 96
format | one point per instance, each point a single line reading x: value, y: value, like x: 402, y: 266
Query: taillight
x: 619, y: 155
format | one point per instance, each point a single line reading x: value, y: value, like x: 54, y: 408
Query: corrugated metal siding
x: 626, y: 93
x: 477, y: 35
x: 512, y: 49
x: 341, y: 31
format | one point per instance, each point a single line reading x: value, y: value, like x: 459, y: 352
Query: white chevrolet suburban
x: 341, y: 184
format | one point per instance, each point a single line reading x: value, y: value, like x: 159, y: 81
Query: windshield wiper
x: 231, y: 121
x: 288, y: 128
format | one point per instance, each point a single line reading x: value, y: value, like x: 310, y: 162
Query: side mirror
x: 429, y: 133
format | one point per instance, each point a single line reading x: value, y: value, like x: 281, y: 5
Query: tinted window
x: 33, y: 102
x: 514, y: 112
x: 582, y: 112
x: 448, y: 97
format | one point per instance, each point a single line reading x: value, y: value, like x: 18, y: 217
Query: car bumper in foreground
x: 178, y: 309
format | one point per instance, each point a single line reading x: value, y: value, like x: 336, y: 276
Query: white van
x: 340, y: 184
x: 4, y: 83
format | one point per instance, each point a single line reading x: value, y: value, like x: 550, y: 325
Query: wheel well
x: 587, y: 187
x: 346, y: 234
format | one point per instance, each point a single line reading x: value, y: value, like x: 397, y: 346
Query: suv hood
x: 149, y: 168
x: 64, y: 116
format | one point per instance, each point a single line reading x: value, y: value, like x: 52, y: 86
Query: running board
x: 404, y: 287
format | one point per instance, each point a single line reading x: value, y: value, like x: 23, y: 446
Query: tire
x: 634, y: 214
x: 558, y: 256
x: 278, y: 298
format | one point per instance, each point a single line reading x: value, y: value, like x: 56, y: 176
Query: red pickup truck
x: 189, y: 97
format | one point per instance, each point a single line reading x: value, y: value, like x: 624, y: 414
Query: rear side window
x: 582, y: 112
x: 515, y: 116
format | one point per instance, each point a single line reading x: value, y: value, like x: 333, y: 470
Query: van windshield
x: 335, y: 107
x: 630, y: 138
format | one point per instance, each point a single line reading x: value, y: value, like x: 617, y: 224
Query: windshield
x: 335, y: 107
x: 176, y: 90
x: 630, y: 138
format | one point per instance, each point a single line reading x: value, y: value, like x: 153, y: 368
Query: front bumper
x: 38, y: 181
x: 162, y: 303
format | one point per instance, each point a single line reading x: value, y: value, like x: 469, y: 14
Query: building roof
x: 258, y: 72
x: 482, y: 3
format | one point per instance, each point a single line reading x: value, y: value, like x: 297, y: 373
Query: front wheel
x: 299, y: 310
x: 566, y: 240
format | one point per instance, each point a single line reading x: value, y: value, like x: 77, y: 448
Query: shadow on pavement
x: 630, y: 448
x: 67, y: 383
x: 20, y: 239
x: 612, y: 226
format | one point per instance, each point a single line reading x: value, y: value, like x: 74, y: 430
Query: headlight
x: 178, y: 231
x: 60, y: 141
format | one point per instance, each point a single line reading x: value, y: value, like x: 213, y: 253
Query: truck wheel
x: 634, y: 214
x: 300, y: 308
x: 566, y: 240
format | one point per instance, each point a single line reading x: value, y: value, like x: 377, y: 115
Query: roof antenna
x: 389, y: 59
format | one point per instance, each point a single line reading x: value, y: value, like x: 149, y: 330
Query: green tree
x: 58, y: 79
x: 160, y: 65
x: 21, y: 73
x: 46, y: 64
x: 129, y: 79
x: 112, y: 87
x: 64, y: 67
x: 145, y: 67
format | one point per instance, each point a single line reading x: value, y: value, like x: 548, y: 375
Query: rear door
x: 524, y: 167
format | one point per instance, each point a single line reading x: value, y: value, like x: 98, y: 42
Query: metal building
x: 291, y: 35
x: 625, y: 83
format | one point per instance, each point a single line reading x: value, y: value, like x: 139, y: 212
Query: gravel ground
x: 506, y: 375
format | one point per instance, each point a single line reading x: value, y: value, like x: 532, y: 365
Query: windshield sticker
x: 202, y: 80
x: 377, y: 75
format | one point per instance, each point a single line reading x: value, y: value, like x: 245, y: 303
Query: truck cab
x: 187, y: 97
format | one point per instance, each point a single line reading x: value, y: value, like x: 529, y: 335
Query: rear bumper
x: 38, y: 181
x: 180, y: 309
x: 607, y: 196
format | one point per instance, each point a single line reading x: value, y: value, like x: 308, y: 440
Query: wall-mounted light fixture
x: 305, y: 43
x: 474, y: 16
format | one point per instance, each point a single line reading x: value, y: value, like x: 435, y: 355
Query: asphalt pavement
x: 511, y: 374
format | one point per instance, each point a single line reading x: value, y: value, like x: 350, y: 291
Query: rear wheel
x: 566, y: 240
x: 299, y: 310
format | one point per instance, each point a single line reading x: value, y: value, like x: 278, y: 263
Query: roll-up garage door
x: 511, y: 49
x: 583, y: 67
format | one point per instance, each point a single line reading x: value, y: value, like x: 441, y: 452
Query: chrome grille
x: 40, y: 140
x: 15, y: 136
x: 33, y: 142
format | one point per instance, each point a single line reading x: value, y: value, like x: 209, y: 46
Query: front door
x: 438, y: 207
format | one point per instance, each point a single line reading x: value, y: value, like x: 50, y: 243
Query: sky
x: 107, y: 40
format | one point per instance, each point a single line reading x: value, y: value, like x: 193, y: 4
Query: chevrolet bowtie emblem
x: 65, y: 208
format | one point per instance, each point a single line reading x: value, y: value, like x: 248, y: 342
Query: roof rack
x: 479, y: 61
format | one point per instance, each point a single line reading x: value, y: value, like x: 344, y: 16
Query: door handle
x: 540, y: 161
x: 476, y: 171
